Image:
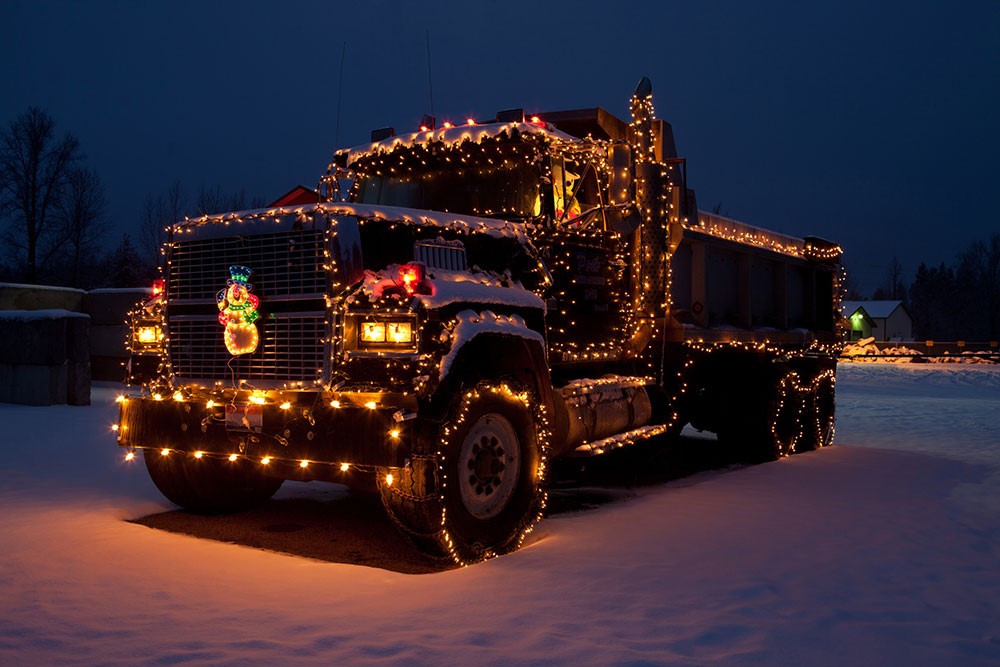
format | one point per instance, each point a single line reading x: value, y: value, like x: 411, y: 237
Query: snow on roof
x: 875, y: 309
x: 467, y: 224
x: 47, y: 288
x: 734, y: 230
x: 451, y: 136
x: 45, y: 314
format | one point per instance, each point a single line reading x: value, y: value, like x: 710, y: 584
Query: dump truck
x: 487, y: 298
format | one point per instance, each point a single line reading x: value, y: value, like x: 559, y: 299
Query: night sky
x: 872, y: 124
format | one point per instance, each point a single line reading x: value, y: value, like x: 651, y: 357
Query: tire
x: 481, y: 492
x: 823, y: 417
x: 785, y: 412
x: 209, y: 485
x: 766, y: 423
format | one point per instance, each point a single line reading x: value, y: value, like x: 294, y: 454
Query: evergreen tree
x: 124, y: 266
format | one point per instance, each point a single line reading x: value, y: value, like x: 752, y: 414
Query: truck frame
x: 490, y: 297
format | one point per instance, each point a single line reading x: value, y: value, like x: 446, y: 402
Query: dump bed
x: 732, y: 281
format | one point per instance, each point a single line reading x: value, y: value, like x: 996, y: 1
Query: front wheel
x: 209, y: 485
x: 485, y: 492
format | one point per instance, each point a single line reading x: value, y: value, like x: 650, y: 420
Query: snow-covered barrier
x: 44, y: 357
x: 108, y: 310
x: 40, y: 297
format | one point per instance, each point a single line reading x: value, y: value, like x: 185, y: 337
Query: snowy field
x: 882, y: 550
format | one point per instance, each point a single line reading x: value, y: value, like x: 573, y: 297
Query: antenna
x: 430, y: 81
x: 340, y: 96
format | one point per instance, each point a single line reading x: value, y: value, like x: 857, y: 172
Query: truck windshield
x: 499, y: 181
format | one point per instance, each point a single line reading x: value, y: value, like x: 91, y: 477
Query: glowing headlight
x: 146, y: 335
x: 400, y: 332
x: 373, y: 332
x: 385, y: 334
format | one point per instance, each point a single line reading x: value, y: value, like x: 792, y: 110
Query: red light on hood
x: 413, y: 279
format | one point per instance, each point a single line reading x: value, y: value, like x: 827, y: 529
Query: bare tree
x: 34, y: 167
x: 80, y: 212
x: 159, y: 213
x: 213, y: 200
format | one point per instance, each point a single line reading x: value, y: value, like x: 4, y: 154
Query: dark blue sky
x: 872, y: 124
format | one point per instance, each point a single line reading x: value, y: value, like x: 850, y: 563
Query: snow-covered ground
x: 883, y: 550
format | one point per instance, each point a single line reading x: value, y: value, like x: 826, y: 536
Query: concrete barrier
x: 41, y: 297
x: 109, y: 329
x: 44, y: 357
x: 47, y: 356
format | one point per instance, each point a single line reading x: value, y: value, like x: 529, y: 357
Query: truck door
x: 587, y: 306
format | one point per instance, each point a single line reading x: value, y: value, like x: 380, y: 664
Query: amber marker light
x: 233, y: 457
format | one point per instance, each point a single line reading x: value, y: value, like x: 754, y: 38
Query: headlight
x: 146, y: 335
x: 399, y: 332
x: 384, y: 334
x: 372, y: 332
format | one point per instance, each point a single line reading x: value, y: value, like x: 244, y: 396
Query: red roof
x: 297, y: 196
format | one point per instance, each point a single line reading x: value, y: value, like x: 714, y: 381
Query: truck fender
x: 487, y: 346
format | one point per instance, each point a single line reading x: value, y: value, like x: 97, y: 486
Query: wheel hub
x: 488, y: 466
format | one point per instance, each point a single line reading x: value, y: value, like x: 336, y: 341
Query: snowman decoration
x: 238, y: 312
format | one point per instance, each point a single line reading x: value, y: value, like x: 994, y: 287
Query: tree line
x: 55, y: 230
x: 957, y: 301
x: 54, y: 224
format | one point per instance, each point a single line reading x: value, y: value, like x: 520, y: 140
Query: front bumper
x: 320, y: 429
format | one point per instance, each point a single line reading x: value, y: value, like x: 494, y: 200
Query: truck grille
x: 290, y: 349
x: 285, y: 264
x: 288, y: 277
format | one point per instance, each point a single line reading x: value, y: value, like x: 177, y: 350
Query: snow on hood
x: 459, y: 286
x: 456, y: 287
x: 451, y: 136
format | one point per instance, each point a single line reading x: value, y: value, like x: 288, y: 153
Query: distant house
x: 883, y: 320
x: 861, y: 323
x: 297, y: 196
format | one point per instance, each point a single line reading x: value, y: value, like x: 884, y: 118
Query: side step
x: 619, y: 441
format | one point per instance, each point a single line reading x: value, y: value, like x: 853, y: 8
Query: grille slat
x: 287, y: 267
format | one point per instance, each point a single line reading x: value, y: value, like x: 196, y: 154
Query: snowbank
x: 865, y: 350
x: 880, y: 551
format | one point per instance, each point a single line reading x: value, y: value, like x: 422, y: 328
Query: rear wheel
x: 209, y: 485
x: 481, y: 492
x: 765, y: 423
x: 822, y: 417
